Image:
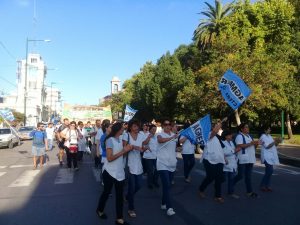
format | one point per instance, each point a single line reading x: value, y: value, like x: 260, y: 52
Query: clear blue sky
x: 93, y: 40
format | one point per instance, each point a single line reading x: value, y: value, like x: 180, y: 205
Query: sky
x: 92, y: 40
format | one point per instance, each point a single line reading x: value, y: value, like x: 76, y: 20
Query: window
x: 5, y: 131
x: 116, y: 88
x: 33, y: 60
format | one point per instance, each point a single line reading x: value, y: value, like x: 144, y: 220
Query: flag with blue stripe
x: 129, y: 113
x: 198, y: 133
x: 233, y: 89
x: 7, y: 114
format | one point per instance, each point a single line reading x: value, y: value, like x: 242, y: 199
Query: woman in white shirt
x: 166, y: 163
x: 230, y: 167
x: 150, y: 157
x: 71, y: 136
x: 135, y: 139
x: 213, y: 160
x: 269, y: 157
x: 82, y: 141
x: 188, y: 155
x: 246, y: 157
x: 113, y: 172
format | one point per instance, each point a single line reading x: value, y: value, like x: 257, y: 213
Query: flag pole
x: 13, y: 129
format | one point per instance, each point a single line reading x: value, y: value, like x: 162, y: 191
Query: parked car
x: 8, y: 138
x: 25, y: 131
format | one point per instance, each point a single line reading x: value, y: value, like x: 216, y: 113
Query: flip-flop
x: 132, y: 214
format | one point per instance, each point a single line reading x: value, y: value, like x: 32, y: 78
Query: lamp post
x: 26, y: 68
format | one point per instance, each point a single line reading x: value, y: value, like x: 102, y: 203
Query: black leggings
x: 71, y: 157
x: 214, y: 172
x: 109, y: 181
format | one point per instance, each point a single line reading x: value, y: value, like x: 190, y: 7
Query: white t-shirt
x: 229, y: 152
x: 152, y: 145
x: 50, y: 132
x: 115, y: 168
x: 134, y: 156
x: 269, y: 155
x: 187, y: 147
x: 213, y: 151
x: 166, y: 153
x: 71, y: 136
x: 247, y: 156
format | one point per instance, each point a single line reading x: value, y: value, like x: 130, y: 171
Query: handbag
x: 73, y: 148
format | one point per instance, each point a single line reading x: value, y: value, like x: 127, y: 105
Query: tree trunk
x: 289, y: 127
x: 237, y: 117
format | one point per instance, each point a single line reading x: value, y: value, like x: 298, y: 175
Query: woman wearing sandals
x: 269, y: 157
x: 166, y: 164
x: 213, y: 160
x: 113, y: 172
x: 135, y: 139
x: 246, y: 157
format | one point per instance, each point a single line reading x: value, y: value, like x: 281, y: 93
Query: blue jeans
x: 245, y: 170
x: 50, y: 144
x: 266, y: 180
x: 229, y: 176
x: 166, y: 179
x: 134, y: 184
x: 152, y: 174
x: 188, y: 164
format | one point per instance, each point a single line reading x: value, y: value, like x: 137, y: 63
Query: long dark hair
x: 116, y: 127
x: 105, y: 124
x: 133, y: 122
x: 241, y: 126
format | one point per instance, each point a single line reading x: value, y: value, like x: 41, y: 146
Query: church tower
x: 115, y: 85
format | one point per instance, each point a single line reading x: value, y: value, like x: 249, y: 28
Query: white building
x: 36, y: 109
x: 53, y: 100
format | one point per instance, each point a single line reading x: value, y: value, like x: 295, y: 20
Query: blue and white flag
x: 129, y: 113
x: 7, y: 114
x: 233, y: 89
x: 198, y: 133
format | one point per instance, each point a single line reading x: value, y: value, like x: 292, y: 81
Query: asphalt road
x: 60, y: 197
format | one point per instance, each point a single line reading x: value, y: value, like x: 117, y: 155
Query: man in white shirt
x: 50, y: 134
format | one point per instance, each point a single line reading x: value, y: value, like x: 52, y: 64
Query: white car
x: 8, y: 138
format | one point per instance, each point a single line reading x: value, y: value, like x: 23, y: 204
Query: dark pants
x: 188, y: 164
x: 214, y: 172
x: 152, y: 174
x: 245, y: 170
x: 229, y: 176
x: 134, y: 185
x: 80, y: 156
x: 71, y: 157
x: 266, y: 180
x: 166, y: 179
x: 109, y: 181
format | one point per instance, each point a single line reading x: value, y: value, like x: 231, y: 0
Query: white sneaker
x: 170, y: 212
x: 163, y: 207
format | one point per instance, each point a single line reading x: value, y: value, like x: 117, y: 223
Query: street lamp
x: 26, y: 65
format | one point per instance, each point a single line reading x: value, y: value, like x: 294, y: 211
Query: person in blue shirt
x: 39, y: 144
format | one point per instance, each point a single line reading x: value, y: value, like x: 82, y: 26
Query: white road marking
x: 2, y: 173
x: 97, y: 173
x: 3, y: 167
x: 263, y: 173
x: 25, y: 179
x: 20, y: 166
x: 64, y: 176
x: 288, y: 171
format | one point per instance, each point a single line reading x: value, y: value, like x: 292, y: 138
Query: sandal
x: 118, y: 222
x: 101, y: 215
x: 252, y: 195
x: 132, y: 214
x: 219, y: 200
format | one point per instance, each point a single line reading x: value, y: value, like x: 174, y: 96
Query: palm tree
x: 209, y: 28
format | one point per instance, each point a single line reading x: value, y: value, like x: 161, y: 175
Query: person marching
x: 113, y: 172
x: 135, y: 139
x: 166, y: 164
x: 213, y: 160
x: 246, y: 158
x: 61, y: 140
x: 269, y: 157
x: 230, y: 167
x: 188, y: 155
x: 150, y: 157
x: 82, y: 141
x: 71, y: 136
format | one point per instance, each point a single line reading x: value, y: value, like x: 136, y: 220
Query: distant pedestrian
x: 82, y: 145
x: 50, y: 135
x: 230, y: 167
x: 39, y: 144
x: 113, y: 172
x: 269, y: 157
x: 150, y: 157
x: 188, y: 155
x: 213, y: 161
x: 166, y: 164
x: 246, y: 158
x: 61, y: 140
x: 135, y: 139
